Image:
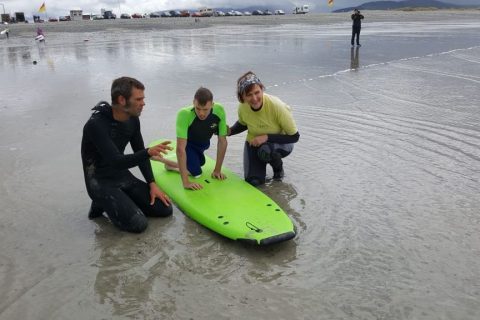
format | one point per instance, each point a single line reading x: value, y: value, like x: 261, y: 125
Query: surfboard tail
x: 270, y: 240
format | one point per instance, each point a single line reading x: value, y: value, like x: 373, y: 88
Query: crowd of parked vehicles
x: 108, y: 14
x: 204, y: 12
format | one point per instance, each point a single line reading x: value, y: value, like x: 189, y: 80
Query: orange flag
x: 330, y: 3
x: 42, y: 8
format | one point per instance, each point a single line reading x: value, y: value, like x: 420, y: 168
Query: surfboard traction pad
x: 232, y: 208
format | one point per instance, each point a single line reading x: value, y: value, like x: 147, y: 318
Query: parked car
x: 174, y: 13
x: 279, y: 12
x: 52, y: 20
x: 154, y: 15
x: 230, y: 13
x: 196, y: 15
x: 65, y: 18
x: 184, y: 13
x: 125, y: 16
x: 137, y: 16
x: 247, y: 13
x: 97, y: 17
x: 165, y: 14
x: 267, y: 13
x: 109, y: 15
x: 219, y: 13
x: 257, y: 13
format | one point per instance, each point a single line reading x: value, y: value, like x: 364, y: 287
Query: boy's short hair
x: 203, y: 95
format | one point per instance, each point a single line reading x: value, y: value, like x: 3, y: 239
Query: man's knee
x: 159, y: 209
x: 137, y: 224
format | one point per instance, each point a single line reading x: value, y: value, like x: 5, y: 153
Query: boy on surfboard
x: 196, y: 124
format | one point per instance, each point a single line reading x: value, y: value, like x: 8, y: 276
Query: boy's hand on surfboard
x: 192, y: 186
x: 159, y: 149
x: 155, y: 193
x: 218, y: 175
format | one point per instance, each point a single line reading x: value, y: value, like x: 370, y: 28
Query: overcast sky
x: 63, y: 7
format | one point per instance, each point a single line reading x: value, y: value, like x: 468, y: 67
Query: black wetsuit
x: 110, y: 184
x: 357, y: 25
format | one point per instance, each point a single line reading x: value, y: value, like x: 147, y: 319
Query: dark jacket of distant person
x: 357, y: 19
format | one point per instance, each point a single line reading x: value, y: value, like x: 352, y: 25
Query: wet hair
x: 203, y: 96
x: 246, y: 83
x: 123, y: 87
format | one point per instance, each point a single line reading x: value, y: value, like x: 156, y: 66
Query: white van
x: 301, y: 10
x: 206, y: 12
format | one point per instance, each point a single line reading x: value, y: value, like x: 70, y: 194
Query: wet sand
x: 382, y: 187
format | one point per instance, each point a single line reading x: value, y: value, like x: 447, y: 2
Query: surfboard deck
x: 232, y: 207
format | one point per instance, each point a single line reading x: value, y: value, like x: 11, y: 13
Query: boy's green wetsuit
x: 198, y: 133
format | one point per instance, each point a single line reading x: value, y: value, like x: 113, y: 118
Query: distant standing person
x: 110, y: 184
x: 357, y: 25
x: 272, y: 131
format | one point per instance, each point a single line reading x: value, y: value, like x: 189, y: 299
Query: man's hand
x: 192, y: 186
x: 156, y: 158
x: 155, y: 192
x: 156, y: 151
x: 259, y: 140
x: 218, y: 175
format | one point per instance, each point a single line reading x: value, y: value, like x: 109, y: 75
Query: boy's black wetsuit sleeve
x: 99, y: 135
x: 283, y: 138
x: 237, y: 128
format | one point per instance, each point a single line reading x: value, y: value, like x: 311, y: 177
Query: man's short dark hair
x: 123, y: 87
x: 203, y: 95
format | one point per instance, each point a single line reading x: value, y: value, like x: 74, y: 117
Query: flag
x: 42, y: 8
x: 330, y: 3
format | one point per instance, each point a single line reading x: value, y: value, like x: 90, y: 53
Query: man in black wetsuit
x: 357, y: 25
x: 111, y: 186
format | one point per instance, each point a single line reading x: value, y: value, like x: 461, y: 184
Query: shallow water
x: 382, y: 187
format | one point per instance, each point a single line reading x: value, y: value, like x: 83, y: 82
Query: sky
x: 63, y: 7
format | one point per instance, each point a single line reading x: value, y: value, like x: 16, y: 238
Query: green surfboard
x: 232, y: 207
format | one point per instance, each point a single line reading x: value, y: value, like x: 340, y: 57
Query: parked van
x: 301, y: 10
x: 206, y: 12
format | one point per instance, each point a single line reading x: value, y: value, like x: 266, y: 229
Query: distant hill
x: 393, y: 5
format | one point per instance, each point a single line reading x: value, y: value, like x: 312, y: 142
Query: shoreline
x: 205, y: 22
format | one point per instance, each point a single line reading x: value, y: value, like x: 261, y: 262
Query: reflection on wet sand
x: 285, y: 194
x: 354, y: 58
x: 129, y: 277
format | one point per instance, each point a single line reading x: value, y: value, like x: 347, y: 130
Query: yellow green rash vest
x: 190, y: 127
x: 275, y: 117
